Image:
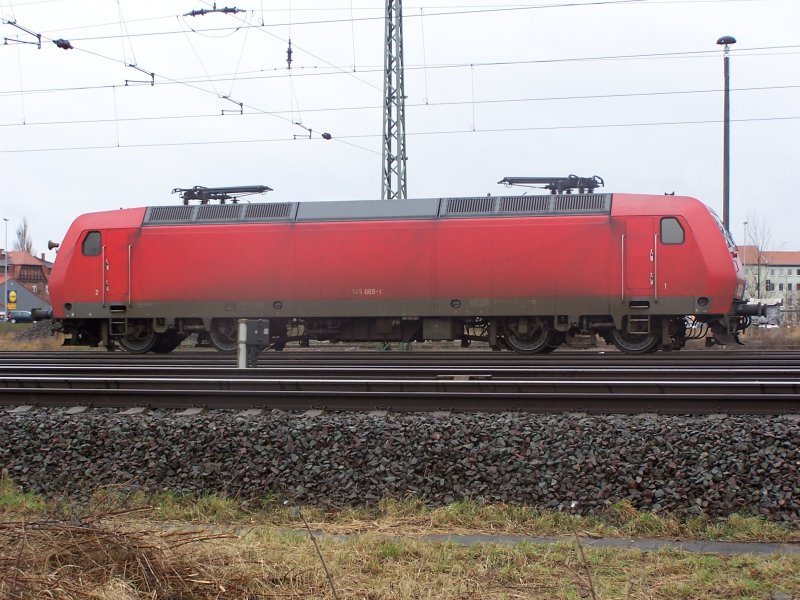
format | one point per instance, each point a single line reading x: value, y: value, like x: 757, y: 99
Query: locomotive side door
x: 639, y: 255
x: 116, y: 254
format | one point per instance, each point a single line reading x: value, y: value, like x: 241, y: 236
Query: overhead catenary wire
x: 424, y: 53
x: 199, y: 60
x: 292, y: 95
x: 409, y: 104
x: 190, y: 85
x: 237, y: 76
x: 124, y: 37
x: 345, y: 138
x: 170, y: 81
x: 472, y: 91
x: 316, y: 71
x: 21, y: 85
x: 239, y: 62
x: 442, y: 13
x: 329, y: 64
x: 353, y: 34
x: 215, y: 92
x: 325, y: 135
x: 11, y: 11
x: 116, y: 119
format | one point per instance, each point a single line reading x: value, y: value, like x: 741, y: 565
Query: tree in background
x: 24, y: 241
x: 758, y: 236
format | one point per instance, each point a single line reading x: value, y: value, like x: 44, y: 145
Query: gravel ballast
x: 714, y: 465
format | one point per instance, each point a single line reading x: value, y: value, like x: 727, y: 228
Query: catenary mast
x: 394, y: 106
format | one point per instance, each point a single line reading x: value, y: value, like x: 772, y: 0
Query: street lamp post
x: 726, y: 41
x: 5, y: 272
x: 745, y: 257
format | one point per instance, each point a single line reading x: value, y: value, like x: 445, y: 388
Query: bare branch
x: 24, y: 241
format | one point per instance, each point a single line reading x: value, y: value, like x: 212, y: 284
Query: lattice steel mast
x: 394, y: 106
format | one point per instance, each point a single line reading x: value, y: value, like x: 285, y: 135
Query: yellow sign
x: 11, y: 306
x: 12, y: 296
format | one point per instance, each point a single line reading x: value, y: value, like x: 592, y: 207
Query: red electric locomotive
x: 523, y: 272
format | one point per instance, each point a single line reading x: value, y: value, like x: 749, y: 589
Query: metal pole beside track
x: 241, y: 358
x: 5, y: 274
x: 726, y: 41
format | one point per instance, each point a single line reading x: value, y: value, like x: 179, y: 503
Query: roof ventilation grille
x: 582, y: 203
x: 471, y: 206
x: 525, y: 204
x: 218, y: 212
x: 274, y: 211
x: 169, y: 214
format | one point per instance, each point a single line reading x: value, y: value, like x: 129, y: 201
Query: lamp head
x: 726, y: 40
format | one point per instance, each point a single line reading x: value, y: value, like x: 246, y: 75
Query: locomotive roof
x: 360, y: 210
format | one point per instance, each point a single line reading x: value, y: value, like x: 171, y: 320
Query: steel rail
x: 734, y: 382
x: 403, y: 369
x: 540, y: 395
x: 766, y: 359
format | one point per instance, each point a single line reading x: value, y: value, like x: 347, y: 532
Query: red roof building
x: 27, y: 272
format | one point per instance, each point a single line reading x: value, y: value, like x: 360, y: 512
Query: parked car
x: 20, y: 316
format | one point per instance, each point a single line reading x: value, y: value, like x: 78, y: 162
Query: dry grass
x: 105, y: 558
x: 13, y: 338
x: 222, y: 550
x: 413, y: 517
x: 767, y: 338
x: 81, y: 558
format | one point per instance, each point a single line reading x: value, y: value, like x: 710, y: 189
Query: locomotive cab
x: 92, y: 285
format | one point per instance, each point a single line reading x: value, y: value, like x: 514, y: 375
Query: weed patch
x: 103, y: 552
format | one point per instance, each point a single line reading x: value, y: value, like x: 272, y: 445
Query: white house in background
x: 774, y: 275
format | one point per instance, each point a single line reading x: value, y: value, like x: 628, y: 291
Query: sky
x: 150, y: 98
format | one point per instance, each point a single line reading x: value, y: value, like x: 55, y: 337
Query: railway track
x: 681, y: 383
x: 767, y: 359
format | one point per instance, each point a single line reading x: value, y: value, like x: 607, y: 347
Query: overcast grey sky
x: 630, y: 90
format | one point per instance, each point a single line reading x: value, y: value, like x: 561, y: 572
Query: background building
x: 774, y: 275
x: 28, y: 277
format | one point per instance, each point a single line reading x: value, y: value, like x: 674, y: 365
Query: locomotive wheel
x: 631, y: 343
x: 223, y: 335
x: 167, y: 342
x: 527, y: 335
x: 140, y: 339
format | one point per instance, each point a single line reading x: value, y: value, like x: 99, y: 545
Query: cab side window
x: 91, y: 244
x: 672, y: 231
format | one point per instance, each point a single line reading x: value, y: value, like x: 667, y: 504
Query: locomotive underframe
x: 526, y: 325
